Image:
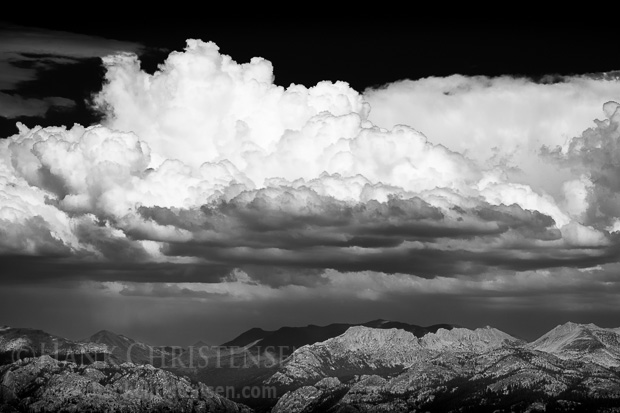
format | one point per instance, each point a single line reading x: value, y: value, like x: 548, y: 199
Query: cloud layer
x: 207, y: 172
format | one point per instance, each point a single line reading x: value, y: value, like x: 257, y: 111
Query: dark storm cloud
x: 294, y: 244
x: 398, y: 236
x: 67, y: 271
x: 277, y: 277
x: 263, y: 223
x: 119, y: 249
x: 427, y: 262
x: 32, y: 237
x: 166, y: 290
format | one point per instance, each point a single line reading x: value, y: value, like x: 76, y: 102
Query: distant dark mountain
x: 130, y: 350
x: 416, y: 330
x: 199, y: 344
x: 248, y: 337
x: 19, y: 343
x: 285, y: 340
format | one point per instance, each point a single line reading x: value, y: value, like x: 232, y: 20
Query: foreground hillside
x: 505, y: 379
x: 44, y: 384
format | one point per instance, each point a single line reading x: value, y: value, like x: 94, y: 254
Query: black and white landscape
x: 370, y: 367
x: 204, y: 215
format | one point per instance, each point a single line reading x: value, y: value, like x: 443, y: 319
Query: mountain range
x: 18, y: 343
x: 574, y: 367
x: 287, y: 339
x: 364, y: 350
x: 375, y: 366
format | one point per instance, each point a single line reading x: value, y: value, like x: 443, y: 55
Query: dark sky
x: 305, y: 212
x: 307, y: 51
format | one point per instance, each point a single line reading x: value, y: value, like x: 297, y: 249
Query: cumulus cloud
x: 207, y: 167
x: 203, y: 106
x: 595, y: 157
x: 497, y: 121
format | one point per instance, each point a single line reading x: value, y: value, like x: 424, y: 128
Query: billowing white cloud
x: 208, y: 162
x: 203, y: 106
x: 594, y: 156
x: 497, y: 121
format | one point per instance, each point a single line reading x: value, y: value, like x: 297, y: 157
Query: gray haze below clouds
x: 77, y: 313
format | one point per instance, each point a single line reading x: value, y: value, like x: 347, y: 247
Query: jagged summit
x: 367, y: 349
x: 464, y: 339
x: 128, y: 349
x: 455, y: 339
x: 563, y: 335
x: 582, y: 341
x: 358, y: 349
x: 358, y: 337
x: 569, y: 326
x: 108, y: 337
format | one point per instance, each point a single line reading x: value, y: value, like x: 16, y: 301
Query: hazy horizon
x: 526, y: 335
